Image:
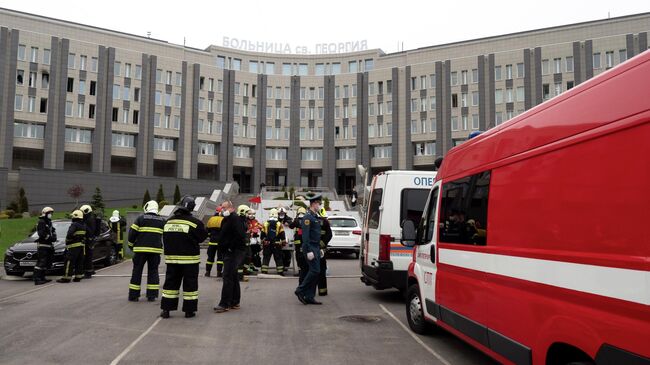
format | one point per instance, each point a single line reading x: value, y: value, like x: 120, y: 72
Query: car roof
x: 341, y: 216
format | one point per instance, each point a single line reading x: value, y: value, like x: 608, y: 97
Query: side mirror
x: 408, y: 234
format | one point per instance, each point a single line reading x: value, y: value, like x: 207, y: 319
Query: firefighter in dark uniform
x: 272, y: 239
x: 145, y: 240
x: 311, y: 228
x: 286, y: 222
x: 214, y: 230
x: 296, y: 225
x: 182, y: 236
x: 92, y: 227
x: 325, y: 238
x: 74, y: 246
x: 45, y: 250
x: 118, y: 226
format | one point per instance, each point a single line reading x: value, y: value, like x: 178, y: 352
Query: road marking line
x: 53, y: 283
x: 415, y: 337
x: 132, y: 345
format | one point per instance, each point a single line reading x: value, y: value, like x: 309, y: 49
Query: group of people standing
x: 79, y: 241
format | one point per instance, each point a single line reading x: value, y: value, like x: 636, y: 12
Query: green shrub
x: 162, y: 203
x: 4, y: 216
x: 23, y: 205
x: 177, y: 195
x: 160, y: 197
x: 134, y: 206
x: 326, y: 203
x: 146, y: 197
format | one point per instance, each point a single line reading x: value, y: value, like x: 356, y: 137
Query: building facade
x: 79, y: 98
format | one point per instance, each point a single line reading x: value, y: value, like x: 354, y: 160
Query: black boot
x: 164, y: 314
x: 190, y: 314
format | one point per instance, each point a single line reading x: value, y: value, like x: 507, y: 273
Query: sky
x: 388, y: 25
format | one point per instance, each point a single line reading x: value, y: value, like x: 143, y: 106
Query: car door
x: 426, y: 252
x: 103, y: 242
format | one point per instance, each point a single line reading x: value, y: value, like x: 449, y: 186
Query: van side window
x: 412, y: 205
x: 464, y: 210
x: 432, y: 214
x: 373, y: 210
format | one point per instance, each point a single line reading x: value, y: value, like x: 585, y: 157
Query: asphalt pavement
x: 92, y: 322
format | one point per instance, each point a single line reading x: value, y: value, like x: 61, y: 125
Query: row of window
x: 291, y: 69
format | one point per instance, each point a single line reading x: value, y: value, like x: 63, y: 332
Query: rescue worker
x: 214, y: 230
x: 286, y: 222
x: 145, y: 240
x: 296, y: 225
x: 273, y: 239
x: 233, y: 237
x: 325, y: 238
x: 311, y: 228
x: 45, y: 250
x: 92, y: 226
x: 182, y: 235
x: 74, y: 247
x: 243, y: 269
x: 118, y: 226
x: 254, y: 231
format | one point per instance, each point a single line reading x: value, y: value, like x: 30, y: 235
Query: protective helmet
x: 151, y: 207
x: 47, y: 210
x: 187, y: 203
x: 85, y: 209
x: 302, y: 211
x: 322, y: 212
x: 273, y: 214
x: 115, y: 217
x: 77, y: 214
x: 219, y: 209
x: 282, y: 210
x: 242, y: 210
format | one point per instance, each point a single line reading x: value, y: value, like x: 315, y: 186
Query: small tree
x: 292, y: 193
x: 146, y: 198
x: 97, y: 201
x: 177, y: 195
x: 76, y: 191
x: 161, y: 195
x: 23, y: 206
x: 326, y: 203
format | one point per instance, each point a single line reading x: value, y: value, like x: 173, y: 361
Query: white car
x: 346, y: 234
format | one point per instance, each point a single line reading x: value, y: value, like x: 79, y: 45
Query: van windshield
x: 412, y: 205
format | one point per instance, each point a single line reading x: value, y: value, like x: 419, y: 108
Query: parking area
x: 92, y: 323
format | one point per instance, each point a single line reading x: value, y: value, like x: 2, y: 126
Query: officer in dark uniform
x: 145, y: 240
x: 182, y: 235
x: 92, y: 227
x: 44, y: 249
x: 74, y: 247
x: 311, y: 228
x: 296, y: 225
x: 325, y: 238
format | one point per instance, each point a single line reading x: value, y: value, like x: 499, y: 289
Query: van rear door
x: 373, y: 222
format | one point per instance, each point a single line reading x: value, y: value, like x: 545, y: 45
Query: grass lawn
x: 14, y: 230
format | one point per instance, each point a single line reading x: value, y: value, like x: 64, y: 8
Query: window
x: 70, y: 87
x: 454, y: 123
x: 546, y: 67
x: 43, y: 106
x: 414, y: 105
x: 464, y: 121
x: 374, y: 213
x: 242, y: 151
x: 498, y: 118
x: 454, y: 78
x: 432, y: 81
x: 117, y: 68
x: 509, y: 96
x: 569, y: 85
x: 83, y: 60
x: 429, y: 225
x: 320, y: 69
x: 622, y: 55
x: 45, y: 80
x: 29, y: 130
x: 497, y: 73
x: 389, y: 107
x: 521, y: 73
x: 508, y: 72
x: 47, y: 55
x: 68, y: 109
x: 475, y: 121
x: 31, y: 104
x: 168, y: 99
x: 520, y: 93
x: 609, y: 59
x: 91, y: 111
x: 18, y: 103
x: 221, y: 62
x: 33, y: 56
x: 346, y: 153
x: 558, y: 88
x: 286, y: 69
x: 454, y: 100
x: 353, y: 67
x: 138, y: 72
x: 116, y: 92
x: 475, y: 98
x: 276, y: 154
x: 414, y: 127
x: 253, y: 67
x: 596, y: 61
x: 432, y: 103
x: 127, y: 70
x: 21, y: 52
x: 337, y: 93
x: 164, y: 144
x: 424, y: 149
x: 71, y: 60
x: 82, y: 87
x: 312, y: 154
x: 463, y: 100
x: 77, y: 135
x: 302, y: 69
x: 370, y: 64
x: 123, y: 140
x: 236, y: 64
x: 93, y: 64
x: 20, y: 77
x: 423, y: 81
x: 475, y: 76
x: 136, y: 117
x: 115, y: 114
x: 568, y: 64
x: 464, y: 209
x: 412, y: 204
x: 546, y: 93
x: 32, y: 79
x: 498, y: 96
x: 557, y: 65
x: 159, y: 76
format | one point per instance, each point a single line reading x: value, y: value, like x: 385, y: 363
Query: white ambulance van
x: 395, y: 196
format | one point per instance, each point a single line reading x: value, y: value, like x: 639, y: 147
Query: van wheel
x: 415, y: 311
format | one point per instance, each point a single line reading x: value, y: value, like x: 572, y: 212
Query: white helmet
x: 47, y: 210
x: 77, y: 214
x: 273, y: 214
x: 85, y: 209
x: 151, y: 207
x: 115, y: 217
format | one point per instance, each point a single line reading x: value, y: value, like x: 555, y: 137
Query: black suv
x: 21, y: 257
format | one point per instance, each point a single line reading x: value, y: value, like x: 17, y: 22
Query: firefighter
x: 243, y: 269
x: 311, y: 231
x: 182, y: 235
x: 325, y: 238
x: 74, y: 247
x: 214, y: 230
x: 273, y: 239
x: 145, y: 240
x: 296, y: 225
x: 286, y: 223
x: 45, y: 250
x: 118, y: 226
x: 254, y: 231
x: 233, y: 240
x: 92, y: 227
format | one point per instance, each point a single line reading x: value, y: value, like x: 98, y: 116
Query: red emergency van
x: 534, y: 245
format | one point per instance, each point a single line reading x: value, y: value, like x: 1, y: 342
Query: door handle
x: 432, y: 254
